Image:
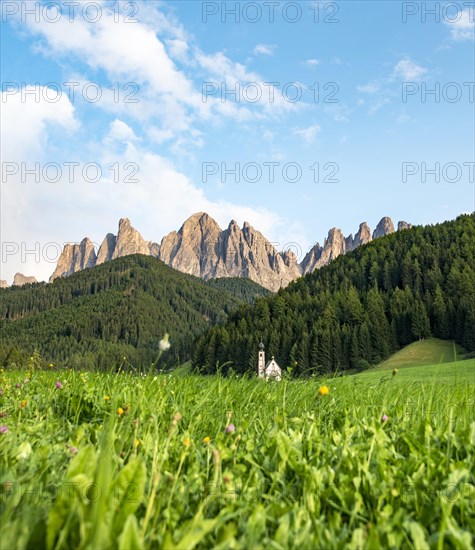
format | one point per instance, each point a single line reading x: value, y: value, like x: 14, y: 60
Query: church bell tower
x: 261, y: 362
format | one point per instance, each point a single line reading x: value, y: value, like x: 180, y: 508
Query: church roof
x: 272, y: 363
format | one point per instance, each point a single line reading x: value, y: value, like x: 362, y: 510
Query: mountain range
x: 203, y: 249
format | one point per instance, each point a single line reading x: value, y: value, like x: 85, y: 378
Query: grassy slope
x: 425, y: 352
x: 456, y: 372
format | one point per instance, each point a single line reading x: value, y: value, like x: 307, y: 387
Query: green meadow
x: 382, y: 459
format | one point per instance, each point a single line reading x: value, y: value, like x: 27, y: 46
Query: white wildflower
x: 164, y: 344
x: 24, y: 451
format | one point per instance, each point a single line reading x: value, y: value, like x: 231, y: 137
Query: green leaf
x: 83, y: 462
x: 417, y: 535
x: 461, y: 537
x: 130, y: 537
x: 128, y: 491
x: 472, y: 434
x: 196, y: 534
x: 70, y: 499
x: 283, y: 446
x: 358, y: 540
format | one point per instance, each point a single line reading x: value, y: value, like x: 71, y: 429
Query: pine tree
x: 440, y: 321
x: 420, y: 320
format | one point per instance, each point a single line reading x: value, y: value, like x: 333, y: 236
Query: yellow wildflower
x: 23, y: 404
x: 324, y: 390
x: 106, y: 398
x: 120, y: 411
x: 136, y: 442
x: 186, y: 442
x: 206, y: 440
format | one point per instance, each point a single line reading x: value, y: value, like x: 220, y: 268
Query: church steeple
x: 261, y: 362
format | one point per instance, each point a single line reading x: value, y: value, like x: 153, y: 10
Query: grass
x: 431, y: 351
x: 455, y: 373
x: 154, y: 467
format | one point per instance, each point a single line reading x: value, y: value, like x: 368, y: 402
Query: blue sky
x: 360, y: 54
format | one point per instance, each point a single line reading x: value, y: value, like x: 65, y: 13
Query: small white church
x: 271, y: 370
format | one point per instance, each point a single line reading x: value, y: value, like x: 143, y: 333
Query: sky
x: 294, y: 116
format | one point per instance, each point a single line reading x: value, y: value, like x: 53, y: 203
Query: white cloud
x: 247, y: 84
x: 308, y: 134
x: 312, y: 62
x: 378, y: 105
x: 370, y: 88
x: 408, y: 70
x: 159, y: 135
x: 340, y: 112
x: 265, y: 49
x: 268, y: 135
x: 26, y: 115
x: 122, y: 132
x: 123, y: 50
x: 380, y: 90
x: 403, y: 117
x: 178, y: 48
x: 463, y: 28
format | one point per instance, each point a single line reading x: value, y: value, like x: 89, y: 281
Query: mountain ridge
x: 202, y: 248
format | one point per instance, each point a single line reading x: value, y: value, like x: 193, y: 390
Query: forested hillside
x: 119, y: 309
x: 361, y: 308
x: 241, y: 288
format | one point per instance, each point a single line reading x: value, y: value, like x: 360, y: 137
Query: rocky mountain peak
x: 75, y: 257
x: 403, y: 225
x: 3, y: 284
x: 334, y: 234
x: 124, y: 223
x: 106, y: 250
x: 384, y: 227
x: 20, y: 280
x: 194, y: 248
x: 362, y: 236
x: 364, y: 230
x: 200, y: 221
x: 129, y: 241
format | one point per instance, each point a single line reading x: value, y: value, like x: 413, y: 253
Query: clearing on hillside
x: 440, y: 375
x: 430, y: 351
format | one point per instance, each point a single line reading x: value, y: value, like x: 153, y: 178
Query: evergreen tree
x: 439, y: 316
x: 420, y: 321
